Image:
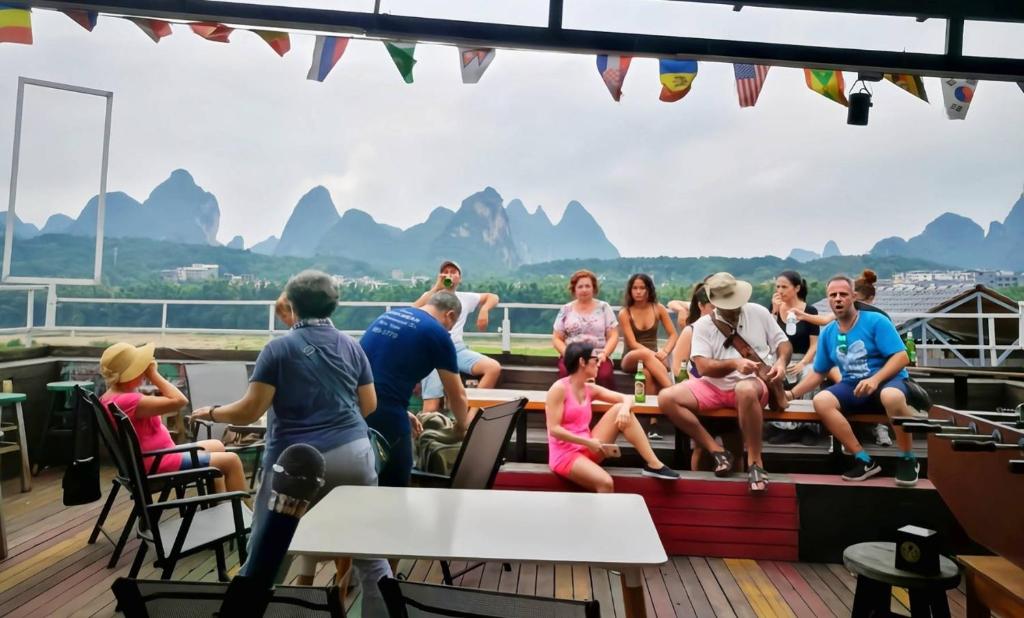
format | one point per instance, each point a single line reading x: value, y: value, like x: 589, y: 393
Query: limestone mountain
x: 358, y: 234
x: 831, y: 250
x: 577, y: 234
x: 266, y: 246
x: 21, y: 229
x: 478, y: 236
x: 236, y: 243
x: 57, y: 224
x: 313, y: 216
x: 804, y: 255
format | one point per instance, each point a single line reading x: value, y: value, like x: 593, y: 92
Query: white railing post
x: 51, y: 306
x: 506, y: 333
x: 163, y: 320
x: 271, y: 323
x: 992, y: 343
x: 1020, y: 323
x: 30, y: 316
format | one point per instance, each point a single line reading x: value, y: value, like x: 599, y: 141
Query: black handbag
x: 917, y: 397
x: 81, y: 483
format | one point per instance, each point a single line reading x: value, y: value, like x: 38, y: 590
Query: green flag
x: 402, y: 54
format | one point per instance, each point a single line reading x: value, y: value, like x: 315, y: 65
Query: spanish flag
x: 911, y: 83
x: 828, y: 84
x: 280, y: 42
x: 15, y: 25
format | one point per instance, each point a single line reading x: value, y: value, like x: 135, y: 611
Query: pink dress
x: 153, y: 435
x: 576, y: 417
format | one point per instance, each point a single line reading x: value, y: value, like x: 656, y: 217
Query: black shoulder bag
x: 81, y: 483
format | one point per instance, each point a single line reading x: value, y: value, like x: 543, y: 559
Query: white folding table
x: 613, y: 531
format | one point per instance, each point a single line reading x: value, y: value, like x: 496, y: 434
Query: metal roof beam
x: 982, y: 10
x: 554, y: 37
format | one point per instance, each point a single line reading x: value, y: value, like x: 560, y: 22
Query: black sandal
x: 723, y: 463
x: 757, y: 476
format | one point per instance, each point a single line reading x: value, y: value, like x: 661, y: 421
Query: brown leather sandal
x: 757, y: 479
x: 723, y: 463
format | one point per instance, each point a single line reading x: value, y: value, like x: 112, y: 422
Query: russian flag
x: 613, y: 72
x: 326, y: 53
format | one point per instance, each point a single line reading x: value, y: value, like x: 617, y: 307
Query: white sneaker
x: 882, y: 437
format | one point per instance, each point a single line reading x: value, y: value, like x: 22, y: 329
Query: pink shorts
x: 563, y: 464
x: 710, y: 397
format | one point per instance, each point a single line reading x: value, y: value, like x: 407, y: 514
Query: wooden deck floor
x: 52, y: 571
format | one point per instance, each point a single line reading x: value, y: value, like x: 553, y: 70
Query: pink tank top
x: 576, y: 417
x: 153, y: 435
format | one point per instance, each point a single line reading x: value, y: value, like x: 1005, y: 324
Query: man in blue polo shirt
x: 871, y: 358
x: 403, y: 346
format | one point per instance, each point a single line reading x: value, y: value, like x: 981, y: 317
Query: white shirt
x: 470, y: 301
x: 756, y: 326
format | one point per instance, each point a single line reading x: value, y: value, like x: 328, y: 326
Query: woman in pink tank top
x: 574, y: 450
x: 124, y: 367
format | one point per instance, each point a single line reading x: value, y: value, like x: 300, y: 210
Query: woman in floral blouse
x: 587, y: 319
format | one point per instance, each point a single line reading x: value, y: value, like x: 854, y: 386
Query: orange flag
x: 218, y: 33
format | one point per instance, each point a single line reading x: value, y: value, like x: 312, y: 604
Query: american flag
x: 749, y: 79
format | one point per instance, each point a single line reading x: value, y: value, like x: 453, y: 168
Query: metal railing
x: 934, y: 343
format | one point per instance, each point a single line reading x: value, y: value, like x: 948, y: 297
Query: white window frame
x: 102, y: 200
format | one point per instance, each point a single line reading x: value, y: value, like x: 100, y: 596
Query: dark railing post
x: 555, y: 15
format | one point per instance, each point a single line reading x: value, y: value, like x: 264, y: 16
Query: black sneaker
x: 906, y: 472
x: 862, y: 471
x: 661, y: 473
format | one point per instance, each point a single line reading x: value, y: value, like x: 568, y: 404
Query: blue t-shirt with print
x: 869, y: 344
x: 404, y: 346
x: 320, y: 411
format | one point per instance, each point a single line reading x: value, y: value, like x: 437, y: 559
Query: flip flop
x: 757, y: 476
x: 723, y: 463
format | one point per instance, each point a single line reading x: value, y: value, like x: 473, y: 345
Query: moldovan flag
x: 15, y: 25
x: 154, y: 28
x: 676, y: 78
x: 85, y: 19
x: 828, y: 84
x: 326, y: 53
x: 280, y: 42
x: 474, y: 62
x: 402, y: 54
x: 911, y: 83
x: 218, y: 33
x: 957, y: 94
x: 613, y: 72
x: 749, y: 80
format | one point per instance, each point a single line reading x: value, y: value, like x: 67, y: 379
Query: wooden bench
x: 800, y: 410
x: 994, y: 584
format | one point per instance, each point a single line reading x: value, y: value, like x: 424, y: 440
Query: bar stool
x: 7, y: 443
x: 874, y: 565
x: 58, y: 419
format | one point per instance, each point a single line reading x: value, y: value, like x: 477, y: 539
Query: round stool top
x: 877, y: 561
x: 8, y: 399
x: 67, y: 385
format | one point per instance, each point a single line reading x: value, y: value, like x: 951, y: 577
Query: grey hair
x: 445, y: 301
x: 845, y: 278
x: 312, y: 294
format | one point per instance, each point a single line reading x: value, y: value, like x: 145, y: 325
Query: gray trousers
x: 349, y: 464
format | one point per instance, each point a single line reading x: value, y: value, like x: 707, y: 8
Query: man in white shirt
x: 473, y: 363
x: 727, y: 379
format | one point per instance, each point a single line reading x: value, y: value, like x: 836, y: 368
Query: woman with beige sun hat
x: 124, y: 367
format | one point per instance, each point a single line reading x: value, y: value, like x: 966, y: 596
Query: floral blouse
x: 576, y: 326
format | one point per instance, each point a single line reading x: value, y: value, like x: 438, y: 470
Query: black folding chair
x: 476, y: 466
x: 205, y: 522
x: 407, y: 599
x: 164, y: 483
x: 143, y: 598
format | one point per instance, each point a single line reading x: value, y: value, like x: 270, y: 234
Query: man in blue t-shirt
x: 404, y: 345
x: 871, y: 358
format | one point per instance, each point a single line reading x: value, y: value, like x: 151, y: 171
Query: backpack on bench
x: 438, y: 446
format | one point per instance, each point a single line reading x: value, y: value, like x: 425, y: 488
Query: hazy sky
x: 696, y: 177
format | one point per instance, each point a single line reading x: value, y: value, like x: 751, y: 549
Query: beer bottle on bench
x: 639, y: 384
x: 911, y: 348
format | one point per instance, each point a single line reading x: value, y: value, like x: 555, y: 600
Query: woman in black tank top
x: 639, y: 317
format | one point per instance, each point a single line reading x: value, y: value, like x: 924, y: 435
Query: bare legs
x: 827, y: 407
x: 593, y: 477
x: 487, y: 370
x: 677, y: 403
x: 229, y: 465
x: 654, y: 369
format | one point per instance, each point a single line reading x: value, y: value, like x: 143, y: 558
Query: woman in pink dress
x: 124, y: 367
x: 574, y: 449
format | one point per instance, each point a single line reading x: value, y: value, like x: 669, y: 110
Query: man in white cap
x: 473, y: 363
x: 728, y: 380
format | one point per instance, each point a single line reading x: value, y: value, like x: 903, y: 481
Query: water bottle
x: 911, y: 348
x: 791, y: 323
x: 639, y: 384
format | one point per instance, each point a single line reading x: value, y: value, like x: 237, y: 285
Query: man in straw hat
x: 728, y: 380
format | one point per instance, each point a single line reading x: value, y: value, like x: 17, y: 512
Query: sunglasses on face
x: 841, y: 338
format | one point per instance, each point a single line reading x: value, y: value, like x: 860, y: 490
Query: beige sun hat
x: 727, y: 292
x: 123, y: 362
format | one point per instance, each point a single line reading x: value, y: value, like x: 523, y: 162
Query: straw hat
x: 123, y: 362
x: 727, y: 292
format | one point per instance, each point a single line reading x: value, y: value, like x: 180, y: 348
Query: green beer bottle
x: 911, y: 348
x: 639, y: 384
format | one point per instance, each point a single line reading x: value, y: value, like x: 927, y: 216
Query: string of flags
x: 676, y: 76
